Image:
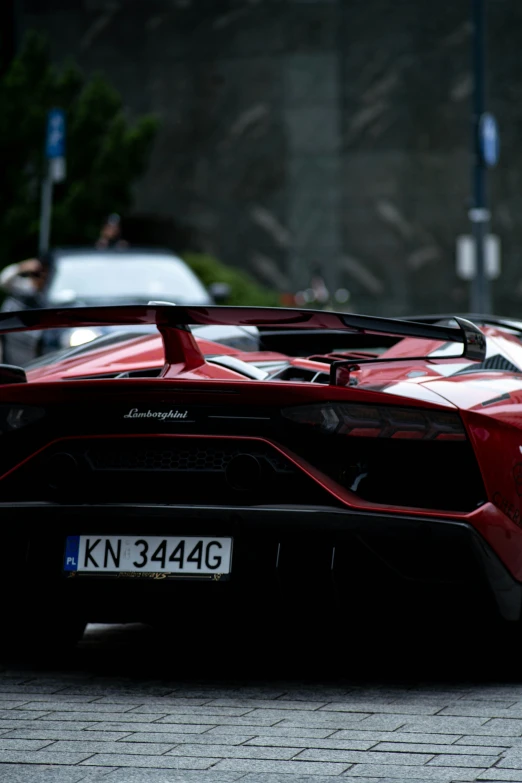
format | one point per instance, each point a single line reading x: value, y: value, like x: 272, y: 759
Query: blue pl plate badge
x: 72, y: 547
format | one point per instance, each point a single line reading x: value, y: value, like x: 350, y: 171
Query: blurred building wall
x: 315, y: 136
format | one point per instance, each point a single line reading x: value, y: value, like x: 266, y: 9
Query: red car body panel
x: 497, y: 445
x: 139, y: 353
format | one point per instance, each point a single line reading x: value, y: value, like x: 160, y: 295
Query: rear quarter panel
x: 495, y: 431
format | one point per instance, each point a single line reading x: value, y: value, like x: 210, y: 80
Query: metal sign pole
x: 479, y: 215
x: 486, y: 152
x: 45, y: 212
x: 55, y: 172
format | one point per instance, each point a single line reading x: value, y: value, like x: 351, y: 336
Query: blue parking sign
x: 55, y: 138
x: 489, y: 139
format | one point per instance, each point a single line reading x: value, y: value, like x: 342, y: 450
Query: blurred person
x: 320, y: 293
x: 25, y: 278
x: 110, y: 234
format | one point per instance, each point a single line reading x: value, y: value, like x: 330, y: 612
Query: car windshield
x: 132, y: 277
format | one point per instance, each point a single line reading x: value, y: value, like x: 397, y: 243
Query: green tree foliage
x: 243, y: 288
x: 106, y: 152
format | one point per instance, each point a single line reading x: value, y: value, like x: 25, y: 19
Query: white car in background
x: 79, y: 277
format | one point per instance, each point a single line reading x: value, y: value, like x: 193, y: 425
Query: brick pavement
x: 91, y: 724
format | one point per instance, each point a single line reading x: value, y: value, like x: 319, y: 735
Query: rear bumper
x: 303, y: 552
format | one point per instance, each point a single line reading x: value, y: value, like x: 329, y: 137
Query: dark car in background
x: 86, y: 277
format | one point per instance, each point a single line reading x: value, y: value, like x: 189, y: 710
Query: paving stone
x: 179, y: 728
x: 44, y: 733
x: 489, y: 692
x: 426, y: 748
x: 512, y: 712
x: 23, y: 744
x: 355, y: 778
x: 169, y: 776
x: 55, y: 697
x: 395, y: 736
x: 399, y: 773
x: 86, y: 746
x: 135, y: 760
x: 42, y: 757
x: 12, y: 773
x: 308, y: 717
x: 204, y: 711
x: 500, y: 726
x: 477, y: 710
x: 198, y: 739
x: 91, y: 706
x: 361, y: 757
x: 171, y: 700
x: 348, y: 776
x: 6, y: 725
x: 268, y: 777
x: 246, y: 692
x: 487, y: 740
x: 277, y: 704
x: 324, y: 694
x: 510, y: 775
x: 13, y: 704
x: 383, y: 722
x: 281, y: 767
x: 312, y: 743
x: 100, y: 690
x: 16, y: 715
x: 50, y: 725
x: 235, y: 751
x: 495, y: 702
x: 274, y: 731
x: 456, y: 760
x: 512, y: 759
x: 406, y: 695
x: 122, y: 717
x: 444, y: 725
x: 224, y: 693
x: 247, y: 720
x: 334, y: 720
x: 29, y: 689
x: 376, y: 706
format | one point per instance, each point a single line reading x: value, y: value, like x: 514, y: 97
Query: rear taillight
x: 376, y: 421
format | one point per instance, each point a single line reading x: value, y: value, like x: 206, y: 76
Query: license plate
x: 131, y: 555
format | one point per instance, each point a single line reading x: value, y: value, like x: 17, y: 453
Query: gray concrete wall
x: 305, y: 135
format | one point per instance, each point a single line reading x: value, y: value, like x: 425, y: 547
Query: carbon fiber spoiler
x: 174, y: 317
x: 476, y: 318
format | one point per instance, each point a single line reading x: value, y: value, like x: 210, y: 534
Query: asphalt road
x: 128, y: 707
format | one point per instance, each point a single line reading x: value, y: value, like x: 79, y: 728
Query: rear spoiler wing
x: 477, y: 318
x: 173, y: 322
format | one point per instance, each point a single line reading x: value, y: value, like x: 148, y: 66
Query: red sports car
x: 170, y: 477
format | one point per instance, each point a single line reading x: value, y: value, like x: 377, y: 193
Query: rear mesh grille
x: 189, y: 458
x: 192, y: 471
